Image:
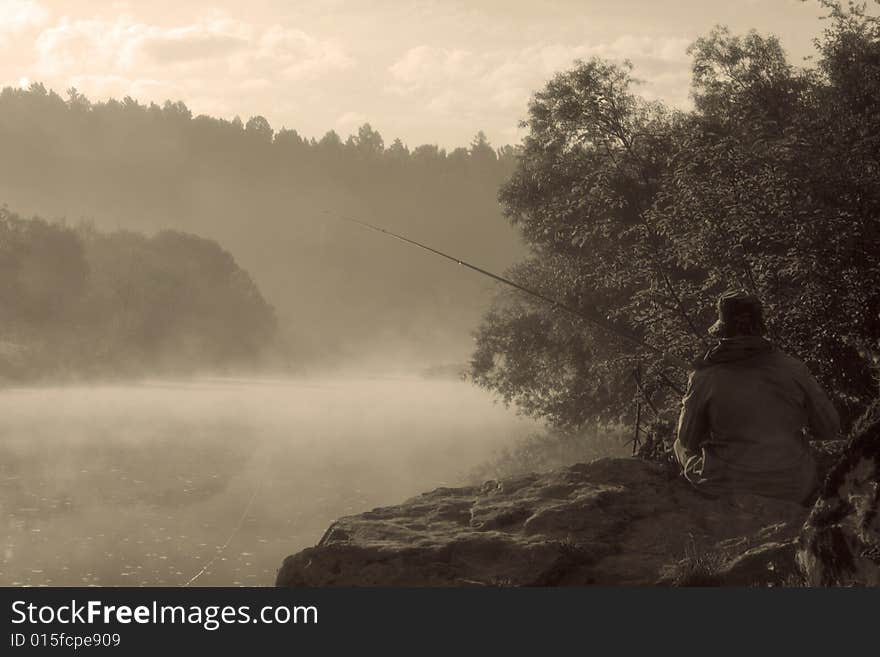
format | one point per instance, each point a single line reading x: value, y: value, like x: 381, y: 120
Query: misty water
x: 147, y: 484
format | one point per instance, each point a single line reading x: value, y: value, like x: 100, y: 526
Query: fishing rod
x: 591, y: 319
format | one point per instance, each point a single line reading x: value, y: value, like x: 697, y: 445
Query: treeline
x: 275, y: 200
x: 83, y: 303
x: 640, y: 215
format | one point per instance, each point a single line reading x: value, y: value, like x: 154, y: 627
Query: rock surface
x: 609, y: 522
x: 840, y: 541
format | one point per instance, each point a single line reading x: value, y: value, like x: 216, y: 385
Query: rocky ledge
x: 610, y: 522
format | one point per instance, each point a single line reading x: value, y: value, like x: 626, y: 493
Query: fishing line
x: 235, y: 531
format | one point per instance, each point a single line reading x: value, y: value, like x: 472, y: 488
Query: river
x: 215, y: 481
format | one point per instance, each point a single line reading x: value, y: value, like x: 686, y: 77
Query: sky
x: 422, y: 70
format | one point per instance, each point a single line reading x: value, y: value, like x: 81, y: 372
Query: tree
x: 146, y: 169
x: 368, y: 142
x: 481, y: 150
x: 397, y: 152
x: 641, y: 215
x: 589, y: 170
x: 289, y: 139
x: 258, y: 127
x: 428, y: 155
x: 76, y: 100
x: 175, y: 301
x: 778, y: 191
x: 177, y: 110
x: 43, y: 271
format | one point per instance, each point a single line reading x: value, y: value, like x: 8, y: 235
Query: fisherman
x: 744, y: 411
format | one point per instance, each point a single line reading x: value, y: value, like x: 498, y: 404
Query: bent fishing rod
x: 591, y: 319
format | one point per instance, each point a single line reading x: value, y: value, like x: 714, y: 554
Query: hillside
x: 86, y: 303
x: 275, y: 200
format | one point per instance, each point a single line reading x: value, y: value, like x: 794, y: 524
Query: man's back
x: 744, y: 413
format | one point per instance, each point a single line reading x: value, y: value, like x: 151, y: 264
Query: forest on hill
x: 85, y: 303
x: 275, y: 200
x: 639, y: 215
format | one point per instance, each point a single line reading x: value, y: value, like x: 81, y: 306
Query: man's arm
x: 823, y: 418
x: 693, y: 421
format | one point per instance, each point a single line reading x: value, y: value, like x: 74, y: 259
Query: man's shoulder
x: 785, y: 358
x: 773, y: 356
x: 698, y: 375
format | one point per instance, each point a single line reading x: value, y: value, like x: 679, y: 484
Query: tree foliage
x: 84, y: 302
x: 642, y: 215
x: 275, y: 197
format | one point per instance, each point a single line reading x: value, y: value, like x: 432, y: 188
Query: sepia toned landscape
x: 417, y: 295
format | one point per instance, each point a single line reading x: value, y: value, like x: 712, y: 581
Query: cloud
x: 295, y: 55
x: 434, y: 71
x: 82, y: 45
x: 190, y: 44
x: 219, y: 65
x: 423, y: 62
x: 458, y: 81
x: 349, y: 121
x: 215, y: 47
x: 19, y: 15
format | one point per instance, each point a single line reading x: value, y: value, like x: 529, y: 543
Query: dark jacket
x: 742, y: 417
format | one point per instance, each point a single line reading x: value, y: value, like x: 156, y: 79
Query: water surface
x: 149, y: 484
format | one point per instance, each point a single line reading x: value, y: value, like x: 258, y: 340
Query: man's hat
x: 738, y: 307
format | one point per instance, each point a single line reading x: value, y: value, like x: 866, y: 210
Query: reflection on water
x: 143, y: 484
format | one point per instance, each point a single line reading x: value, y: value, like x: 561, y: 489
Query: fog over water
x: 144, y: 484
